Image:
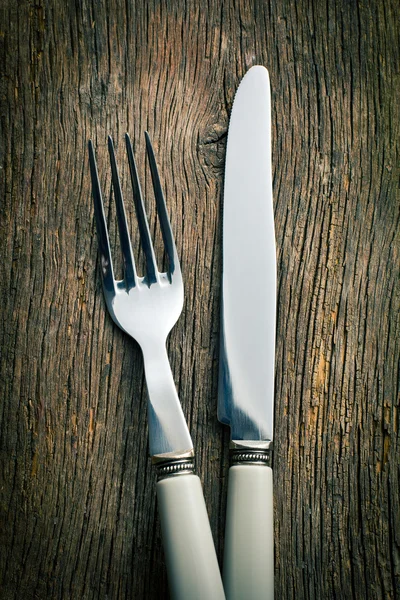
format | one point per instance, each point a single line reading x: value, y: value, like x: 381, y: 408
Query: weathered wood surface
x: 78, y: 510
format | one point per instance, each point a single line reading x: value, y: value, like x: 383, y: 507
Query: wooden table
x: 78, y: 510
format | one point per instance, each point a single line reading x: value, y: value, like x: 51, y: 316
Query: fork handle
x: 190, y: 556
x: 249, y: 547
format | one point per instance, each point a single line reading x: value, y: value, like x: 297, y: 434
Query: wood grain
x: 78, y: 512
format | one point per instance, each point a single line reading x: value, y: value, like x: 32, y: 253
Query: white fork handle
x: 249, y: 545
x: 192, y: 564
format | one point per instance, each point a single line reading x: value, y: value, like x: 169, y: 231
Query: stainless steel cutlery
x: 147, y: 307
x: 247, y: 349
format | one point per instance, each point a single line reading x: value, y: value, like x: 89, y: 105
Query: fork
x: 146, y: 308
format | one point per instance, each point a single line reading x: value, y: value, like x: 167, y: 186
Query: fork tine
x: 162, y: 209
x: 126, y: 247
x: 101, y: 225
x: 151, y: 266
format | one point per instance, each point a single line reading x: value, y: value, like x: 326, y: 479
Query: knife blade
x: 247, y: 342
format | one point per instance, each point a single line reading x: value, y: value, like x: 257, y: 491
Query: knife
x: 247, y: 343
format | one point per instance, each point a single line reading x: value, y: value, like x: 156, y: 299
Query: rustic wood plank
x: 78, y: 511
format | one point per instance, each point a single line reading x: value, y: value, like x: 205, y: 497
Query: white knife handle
x: 249, y: 544
x: 192, y: 565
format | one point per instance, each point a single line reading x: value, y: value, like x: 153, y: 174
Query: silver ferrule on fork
x: 173, y: 466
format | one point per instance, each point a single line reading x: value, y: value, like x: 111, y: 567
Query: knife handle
x: 249, y: 544
x: 192, y: 564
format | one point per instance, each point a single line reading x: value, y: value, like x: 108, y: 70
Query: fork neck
x: 168, y: 431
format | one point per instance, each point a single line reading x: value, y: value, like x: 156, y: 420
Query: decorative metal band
x: 258, y: 457
x: 169, y: 468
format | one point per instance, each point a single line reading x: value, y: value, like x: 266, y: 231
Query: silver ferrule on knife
x: 248, y: 452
